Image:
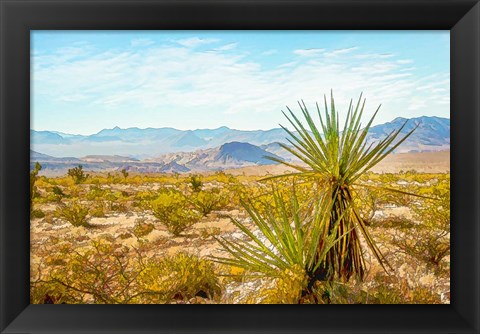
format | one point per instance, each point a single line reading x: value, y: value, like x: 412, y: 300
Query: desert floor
x: 411, y: 280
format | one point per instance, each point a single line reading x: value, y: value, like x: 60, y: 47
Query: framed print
x: 229, y: 153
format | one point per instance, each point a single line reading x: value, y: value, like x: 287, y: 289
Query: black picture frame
x: 18, y: 17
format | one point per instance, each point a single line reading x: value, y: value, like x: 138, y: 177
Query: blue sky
x: 83, y: 82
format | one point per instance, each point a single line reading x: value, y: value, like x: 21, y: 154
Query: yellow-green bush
x: 77, y: 174
x: 33, y: 179
x: 105, y: 272
x: 196, y: 183
x: 98, y: 211
x: 210, y: 200
x: 102, y: 273
x: 208, y: 232
x: 430, y: 240
x: 180, y: 277
x: 286, y: 289
x: 96, y: 193
x: 173, y: 210
x: 142, y: 228
x: 37, y: 213
x: 74, y: 213
x: 402, y: 293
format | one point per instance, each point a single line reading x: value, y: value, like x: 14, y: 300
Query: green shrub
x: 180, y: 277
x: 117, y: 207
x: 95, y: 192
x: 430, y: 240
x: 142, y: 228
x: 112, y: 196
x: 207, y: 201
x: 33, y: 179
x: 37, y: 214
x: 57, y: 194
x: 367, y: 201
x: 402, y: 293
x: 196, y: 183
x: 103, y: 272
x: 74, y: 213
x: 143, y: 199
x: 124, y: 173
x: 98, y: 211
x: 106, y: 272
x: 77, y: 174
x: 172, y: 209
x: 207, y: 232
x: 125, y: 235
x: 286, y: 288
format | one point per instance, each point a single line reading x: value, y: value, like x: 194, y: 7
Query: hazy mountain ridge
x: 173, y: 150
x: 148, y: 142
x: 433, y: 133
x: 229, y: 155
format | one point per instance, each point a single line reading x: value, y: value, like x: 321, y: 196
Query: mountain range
x: 432, y: 134
x: 173, y: 150
x: 229, y: 155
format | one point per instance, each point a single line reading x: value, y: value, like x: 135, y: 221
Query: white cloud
x: 141, y: 42
x: 339, y: 52
x: 405, y: 61
x: 195, y: 41
x: 308, y: 52
x: 372, y: 56
x: 192, y: 82
x: 227, y: 47
x: 289, y: 64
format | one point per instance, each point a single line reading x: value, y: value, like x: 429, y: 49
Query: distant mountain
x: 67, y: 135
x: 433, y: 134
x: 189, y: 139
x: 276, y: 149
x: 44, y: 157
x: 100, y: 163
x: 173, y: 167
x: 107, y: 158
x: 229, y: 155
x: 133, y: 134
x: 238, y: 153
x: 53, y: 164
x: 47, y: 137
x: 209, y: 134
x: 39, y: 156
x: 154, y: 167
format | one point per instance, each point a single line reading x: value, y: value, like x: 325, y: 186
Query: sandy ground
x: 422, y: 162
x: 116, y: 224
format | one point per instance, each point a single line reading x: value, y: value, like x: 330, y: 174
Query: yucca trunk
x: 345, y: 258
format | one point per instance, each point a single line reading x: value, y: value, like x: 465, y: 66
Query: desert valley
x: 150, y: 227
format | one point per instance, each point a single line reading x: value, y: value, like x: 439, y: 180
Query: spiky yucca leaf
x: 288, y: 238
x: 335, y: 160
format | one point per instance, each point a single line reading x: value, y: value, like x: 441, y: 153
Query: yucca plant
x: 291, y: 240
x: 335, y: 159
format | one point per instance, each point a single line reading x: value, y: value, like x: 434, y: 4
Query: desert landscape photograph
x: 240, y: 167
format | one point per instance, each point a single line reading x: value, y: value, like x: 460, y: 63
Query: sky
x: 86, y: 81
